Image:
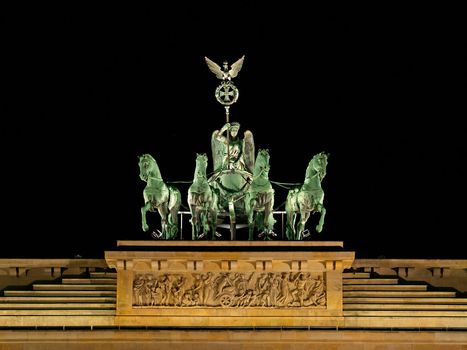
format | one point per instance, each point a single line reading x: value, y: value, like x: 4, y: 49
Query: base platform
x: 229, y: 283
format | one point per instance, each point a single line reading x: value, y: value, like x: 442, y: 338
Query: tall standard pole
x: 227, y: 94
x: 228, y: 136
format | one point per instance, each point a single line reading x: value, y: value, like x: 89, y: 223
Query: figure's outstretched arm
x: 220, y: 136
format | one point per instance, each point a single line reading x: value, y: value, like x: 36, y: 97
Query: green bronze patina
x: 202, y: 200
x: 259, y: 198
x: 158, y: 196
x: 239, y: 188
x: 233, y: 165
x: 307, y: 199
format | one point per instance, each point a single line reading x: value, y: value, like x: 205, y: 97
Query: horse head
x: 318, y: 165
x: 201, y: 165
x: 262, y: 163
x: 148, y: 167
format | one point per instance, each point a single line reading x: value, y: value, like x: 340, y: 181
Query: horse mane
x: 200, y: 157
x: 261, y: 163
x: 310, y: 171
x: 155, y: 172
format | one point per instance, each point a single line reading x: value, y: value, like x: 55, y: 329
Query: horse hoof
x: 156, y: 235
x: 202, y: 235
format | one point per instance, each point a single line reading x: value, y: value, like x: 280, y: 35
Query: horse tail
x: 173, y: 204
x: 175, y: 199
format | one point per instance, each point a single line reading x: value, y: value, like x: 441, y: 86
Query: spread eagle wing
x: 215, y: 68
x: 249, y: 151
x: 235, y: 68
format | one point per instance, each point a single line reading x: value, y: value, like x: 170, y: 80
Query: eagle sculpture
x: 224, y: 73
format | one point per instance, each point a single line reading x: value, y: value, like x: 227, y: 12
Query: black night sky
x: 90, y: 89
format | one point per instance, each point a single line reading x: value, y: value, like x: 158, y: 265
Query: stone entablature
x: 230, y: 283
x: 370, y: 301
x: 437, y: 272
x: 16, y: 272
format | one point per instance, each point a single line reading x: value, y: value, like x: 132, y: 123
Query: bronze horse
x: 202, y: 200
x: 158, y: 196
x: 259, y: 198
x: 307, y: 199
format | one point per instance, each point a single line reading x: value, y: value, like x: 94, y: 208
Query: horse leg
x: 233, y: 224
x: 268, y: 215
x: 294, y: 225
x: 304, y: 215
x: 194, y: 222
x: 249, y: 211
x: 144, y: 210
x: 193, y: 219
x: 322, y: 210
x: 204, y: 219
x: 173, y: 222
x: 291, y: 212
x: 213, y: 216
x: 174, y: 207
x: 290, y: 225
x: 213, y: 222
x: 163, y: 212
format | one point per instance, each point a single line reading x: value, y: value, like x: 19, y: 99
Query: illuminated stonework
x: 229, y: 289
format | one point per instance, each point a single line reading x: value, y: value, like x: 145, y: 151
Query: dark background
x: 90, y: 89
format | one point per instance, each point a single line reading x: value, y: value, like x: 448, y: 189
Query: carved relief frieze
x: 230, y: 289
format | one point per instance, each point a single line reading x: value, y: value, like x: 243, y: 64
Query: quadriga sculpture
x: 307, y: 199
x: 259, y: 198
x: 202, y: 200
x: 158, y: 196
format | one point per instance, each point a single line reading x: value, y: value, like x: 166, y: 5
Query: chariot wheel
x: 225, y: 300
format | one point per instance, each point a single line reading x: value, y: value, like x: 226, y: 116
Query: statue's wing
x: 215, y: 68
x: 235, y: 68
x: 249, y: 151
x: 218, y: 151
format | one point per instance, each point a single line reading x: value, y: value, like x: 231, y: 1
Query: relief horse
x: 259, y: 198
x: 307, y: 199
x: 202, y: 200
x: 158, y: 196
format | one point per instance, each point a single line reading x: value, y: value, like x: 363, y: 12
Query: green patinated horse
x: 259, y: 198
x: 158, y: 196
x: 202, y: 200
x: 307, y: 199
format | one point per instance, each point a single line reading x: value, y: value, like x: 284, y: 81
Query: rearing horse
x: 158, y: 196
x: 307, y: 199
x: 202, y: 200
x: 259, y: 198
